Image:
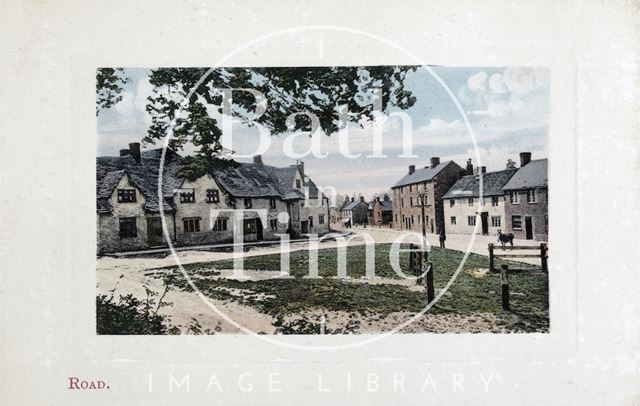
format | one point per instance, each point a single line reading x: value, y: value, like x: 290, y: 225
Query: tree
x: 109, y: 82
x: 510, y: 164
x: 317, y: 90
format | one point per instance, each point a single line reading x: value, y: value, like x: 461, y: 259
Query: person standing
x: 443, y: 238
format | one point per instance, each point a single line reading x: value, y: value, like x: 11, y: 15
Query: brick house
x: 526, y: 200
x: 128, y: 207
x: 380, y: 211
x: 463, y: 210
x: 431, y: 181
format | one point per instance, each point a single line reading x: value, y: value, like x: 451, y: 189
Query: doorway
x: 528, y: 228
x: 304, y: 227
x: 259, y: 229
x: 154, y: 231
x: 484, y: 217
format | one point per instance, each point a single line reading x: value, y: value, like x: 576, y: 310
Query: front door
x: 484, y: 216
x: 528, y: 228
x: 304, y: 227
x: 259, y: 229
x: 154, y: 231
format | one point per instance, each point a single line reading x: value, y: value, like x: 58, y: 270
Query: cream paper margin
x: 47, y: 210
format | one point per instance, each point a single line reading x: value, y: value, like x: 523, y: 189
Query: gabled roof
x: 469, y: 186
x: 424, y: 174
x: 386, y: 205
x: 532, y: 175
x: 238, y: 180
x: 353, y: 205
x: 143, y: 175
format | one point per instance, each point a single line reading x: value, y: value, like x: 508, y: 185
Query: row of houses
x: 376, y: 212
x: 129, y: 202
x: 444, y: 196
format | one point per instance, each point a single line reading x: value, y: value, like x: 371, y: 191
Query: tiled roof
x: 469, y: 186
x: 239, y: 180
x: 532, y: 175
x: 423, y: 174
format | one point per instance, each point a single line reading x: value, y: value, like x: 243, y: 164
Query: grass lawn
x: 471, y: 293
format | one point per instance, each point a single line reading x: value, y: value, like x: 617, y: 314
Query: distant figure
x: 443, y: 238
x: 505, y: 238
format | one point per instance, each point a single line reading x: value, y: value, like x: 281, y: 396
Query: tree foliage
x: 109, y: 82
x: 317, y: 90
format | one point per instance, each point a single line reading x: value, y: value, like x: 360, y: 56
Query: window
x: 250, y: 227
x: 453, y: 220
x: 495, y: 200
x: 514, y: 198
x: 410, y: 188
x: 321, y: 219
x: 452, y: 202
x: 396, y: 217
x: 516, y: 222
x: 298, y: 184
x: 213, y: 196
x: 402, y: 202
x: 187, y: 196
x: 310, y: 221
x: 471, y: 220
x: 273, y: 223
x: 411, y: 202
x: 272, y: 204
x: 191, y: 225
x: 470, y: 200
x: 412, y: 219
x: 248, y: 203
x: 531, y: 196
x: 126, y: 195
x: 128, y: 227
x: 220, y: 225
x: 496, y: 221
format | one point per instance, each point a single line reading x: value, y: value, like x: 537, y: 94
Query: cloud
x: 477, y: 82
x: 496, y: 84
x: 126, y: 105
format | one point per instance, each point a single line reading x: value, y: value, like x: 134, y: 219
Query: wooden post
x: 504, y: 279
x: 431, y: 293
x: 543, y: 257
x: 491, y: 264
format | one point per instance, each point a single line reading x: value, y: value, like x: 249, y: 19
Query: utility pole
x: 423, y: 198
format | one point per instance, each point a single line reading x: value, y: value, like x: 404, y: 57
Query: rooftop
x: 532, y: 175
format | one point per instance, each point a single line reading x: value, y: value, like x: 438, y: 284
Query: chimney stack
x: 353, y: 199
x: 257, y: 159
x: 435, y: 161
x: 134, y: 148
x: 362, y: 198
x: 469, y: 167
x: 125, y: 152
x: 480, y: 169
x: 525, y: 158
x: 412, y: 169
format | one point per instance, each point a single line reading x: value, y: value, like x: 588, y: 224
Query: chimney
x: 257, y: 159
x: 435, y: 161
x: 362, y: 198
x: 480, y: 169
x: 134, y: 148
x: 353, y: 199
x: 300, y: 165
x: 125, y: 152
x: 412, y: 169
x: 469, y: 167
x: 525, y: 157
x: 462, y: 173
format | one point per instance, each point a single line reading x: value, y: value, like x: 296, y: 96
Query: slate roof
x: 423, y: 174
x: 241, y: 180
x: 386, y: 205
x: 532, y: 175
x: 469, y: 186
x: 352, y: 205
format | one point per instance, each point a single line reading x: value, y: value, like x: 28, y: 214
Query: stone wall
x: 537, y: 211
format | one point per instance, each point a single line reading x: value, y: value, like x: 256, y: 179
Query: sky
x: 508, y: 109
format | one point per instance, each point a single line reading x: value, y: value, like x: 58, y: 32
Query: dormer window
x: 213, y: 196
x: 248, y: 203
x: 126, y: 195
x: 298, y: 185
x: 187, y: 196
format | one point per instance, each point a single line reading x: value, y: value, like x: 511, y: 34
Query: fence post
x: 491, y: 264
x: 543, y: 257
x: 504, y: 279
x: 431, y: 294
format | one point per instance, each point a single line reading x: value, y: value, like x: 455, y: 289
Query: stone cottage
x: 355, y: 212
x: 463, y: 209
x: 380, y: 211
x: 201, y: 210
